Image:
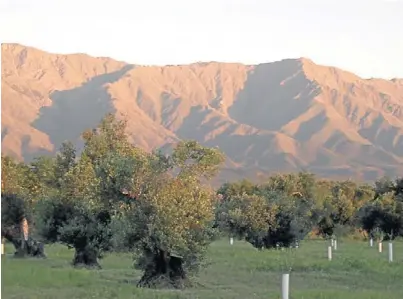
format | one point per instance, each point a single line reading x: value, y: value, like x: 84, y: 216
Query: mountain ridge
x: 282, y: 116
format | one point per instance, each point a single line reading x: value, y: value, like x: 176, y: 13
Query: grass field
x: 239, y: 271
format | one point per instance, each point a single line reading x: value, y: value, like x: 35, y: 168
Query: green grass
x: 239, y: 271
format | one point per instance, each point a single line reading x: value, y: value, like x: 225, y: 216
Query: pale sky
x: 362, y: 36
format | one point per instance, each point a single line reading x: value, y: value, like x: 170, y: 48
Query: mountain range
x: 283, y: 116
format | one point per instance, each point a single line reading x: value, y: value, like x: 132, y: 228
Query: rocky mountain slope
x: 282, y: 116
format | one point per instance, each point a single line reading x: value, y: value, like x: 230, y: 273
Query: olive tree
x: 18, y: 192
x: 269, y: 219
x: 279, y: 212
x: 79, y: 214
x: 384, y: 215
x: 75, y: 217
x: 247, y: 217
x: 15, y: 218
x: 168, y: 217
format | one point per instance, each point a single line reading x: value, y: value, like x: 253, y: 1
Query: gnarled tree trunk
x: 162, y: 270
x: 32, y: 248
x: 87, y: 257
x: 23, y: 247
x: 24, y: 231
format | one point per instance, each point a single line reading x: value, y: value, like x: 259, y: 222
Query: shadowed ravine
x: 78, y: 109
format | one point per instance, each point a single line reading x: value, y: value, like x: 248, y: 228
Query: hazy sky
x: 363, y: 36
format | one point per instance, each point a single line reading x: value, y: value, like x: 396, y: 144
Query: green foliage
x: 385, y: 215
x: 42, y: 171
x: 13, y: 210
x: 81, y: 183
x: 87, y: 229
x: 383, y: 186
x: 122, y: 176
x: 193, y: 160
x: 246, y: 216
x: 340, y: 206
x: 332, y: 206
x: 53, y: 214
x: 229, y: 190
x: 65, y: 160
x: 300, y: 185
x: 109, y: 136
x: 279, y: 212
x: 16, y: 178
